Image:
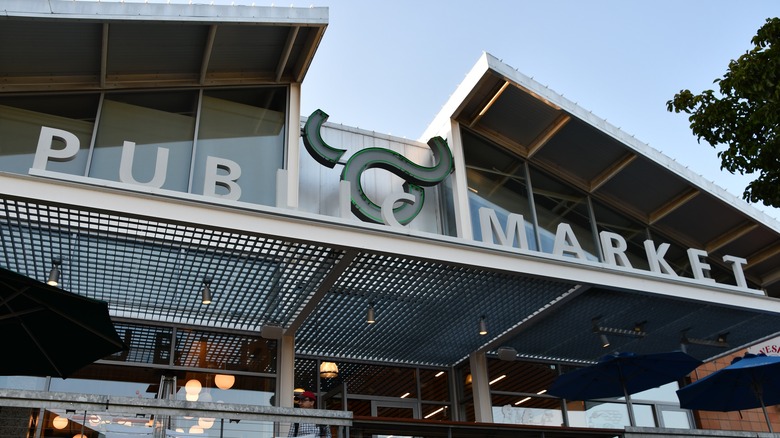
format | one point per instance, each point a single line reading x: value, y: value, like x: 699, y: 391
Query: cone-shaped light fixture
x: 54, y: 274
x: 206, y: 291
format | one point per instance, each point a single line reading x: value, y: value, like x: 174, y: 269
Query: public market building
x: 156, y: 155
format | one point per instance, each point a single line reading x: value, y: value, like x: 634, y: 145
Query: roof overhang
x: 77, y: 45
x: 558, y: 136
x: 315, y: 277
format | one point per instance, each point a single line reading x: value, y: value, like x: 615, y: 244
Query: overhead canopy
x: 147, y: 255
x: 316, y: 279
x: 557, y: 135
x: 113, y: 45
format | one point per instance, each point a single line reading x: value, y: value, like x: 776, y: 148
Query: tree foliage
x: 745, y: 117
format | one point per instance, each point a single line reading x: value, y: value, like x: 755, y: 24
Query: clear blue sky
x: 389, y: 66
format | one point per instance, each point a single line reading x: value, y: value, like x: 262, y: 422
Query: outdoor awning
x: 147, y: 256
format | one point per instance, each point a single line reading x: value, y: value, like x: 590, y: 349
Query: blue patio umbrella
x: 623, y: 374
x: 751, y: 381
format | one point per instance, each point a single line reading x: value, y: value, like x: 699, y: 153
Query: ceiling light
x: 206, y: 291
x: 482, y: 326
x: 59, y: 422
x: 434, y: 412
x: 439, y: 374
x: 54, y: 274
x: 193, y: 386
x: 370, y: 317
x: 522, y: 401
x: 720, y: 341
x: 637, y: 331
x: 224, y: 381
x: 329, y: 370
x: 501, y: 377
x: 406, y: 395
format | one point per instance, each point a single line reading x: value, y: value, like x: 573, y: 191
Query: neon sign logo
x: 415, y: 176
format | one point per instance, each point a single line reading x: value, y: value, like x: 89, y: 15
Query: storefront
x: 448, y: 279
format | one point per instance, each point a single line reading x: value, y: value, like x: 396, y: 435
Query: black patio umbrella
x: 751, y: 381
x: 47, y: 331
x: 623, y: 374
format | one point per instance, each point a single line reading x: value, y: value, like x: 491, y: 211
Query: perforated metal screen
x: 427, y: 311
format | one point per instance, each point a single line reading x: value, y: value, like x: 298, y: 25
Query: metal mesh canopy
x: 428, y: 310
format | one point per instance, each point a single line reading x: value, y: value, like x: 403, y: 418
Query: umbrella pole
x: 766, y: 415
x: 629, y: 407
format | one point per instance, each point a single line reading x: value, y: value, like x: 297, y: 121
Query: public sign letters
x: 225, y: 173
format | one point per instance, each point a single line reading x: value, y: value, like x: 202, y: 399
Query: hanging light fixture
x: 206, y: 291
x: 604, y: 340
x: 59, y: 422
x: 329, y: 370
x: 224, y: 381
x: 370, y: 317
x: 54, y: 274
x: 192, y: 389
x: 482, y: 326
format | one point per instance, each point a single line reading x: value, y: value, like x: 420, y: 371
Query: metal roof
x: 556, y: 135
x: 80, y: 45
x: 315, y: 276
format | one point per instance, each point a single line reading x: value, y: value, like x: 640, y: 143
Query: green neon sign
x: 415, y: 176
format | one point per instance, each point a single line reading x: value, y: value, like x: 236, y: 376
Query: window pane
x: 632, y: 232
x: 643, y: 415
x: 434, y: 385
x: 606, y: 415
x: 241, y: 140
x: 527, y: 410
x: 155, y: 122
x: 675, y: 419
x: 558, y: 203
x: 496, y: 180
x: 21, y: 120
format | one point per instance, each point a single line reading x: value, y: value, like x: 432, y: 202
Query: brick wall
x: 752, y: 420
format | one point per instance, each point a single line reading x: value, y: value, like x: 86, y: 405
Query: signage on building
x: 415, y: 176
x: 612, y: 245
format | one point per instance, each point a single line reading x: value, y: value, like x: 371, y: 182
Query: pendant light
x: 224, y: 381
x: 54, y: 274
x: 329, y: 370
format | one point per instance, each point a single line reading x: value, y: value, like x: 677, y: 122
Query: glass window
x: 195, y: 348
x: 240, y: 144
x: 146, y: 344
x: 157, y: 124
x: 557, y: 203
x: 676, y: 418
x: 21, y: 120
x: 434, y: 385
x: 528, y: 378
x: 527, y: 410
x: 496, y: 180
x: 436, y: 412
x: 643, y: 415
x: 631, y: 231
x: 676, y: 255
x: 605, y: 415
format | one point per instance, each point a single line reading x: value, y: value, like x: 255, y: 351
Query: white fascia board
x: 143, y: 11
x: 441, y: 123
x: 336, y: 232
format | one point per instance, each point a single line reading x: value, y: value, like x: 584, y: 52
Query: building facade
x: 151, y: 151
